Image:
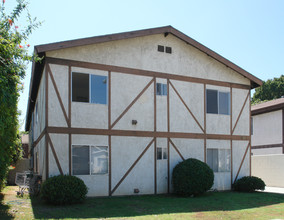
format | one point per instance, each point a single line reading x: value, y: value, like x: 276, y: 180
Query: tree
x: 14, y: 58
x: 271, y: 89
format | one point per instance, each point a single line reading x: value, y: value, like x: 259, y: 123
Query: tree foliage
x: 271, y: 89
x: 14, y: 58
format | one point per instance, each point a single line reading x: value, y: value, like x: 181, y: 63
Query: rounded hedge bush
x: 192, y: 177
x: 62, y: 190
x: 249, y: 184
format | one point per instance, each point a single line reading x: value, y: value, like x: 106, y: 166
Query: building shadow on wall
x: 130, y: 206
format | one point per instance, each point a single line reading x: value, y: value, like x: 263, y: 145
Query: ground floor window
x: 162, y: 153
x: 88, y: 159
x: 219, y: 160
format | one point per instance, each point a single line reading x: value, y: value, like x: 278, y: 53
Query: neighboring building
x: 25, y: 145
x: 268, y: 127
x: 120, y: 111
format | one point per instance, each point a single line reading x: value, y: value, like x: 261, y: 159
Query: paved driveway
x: 274, y: 190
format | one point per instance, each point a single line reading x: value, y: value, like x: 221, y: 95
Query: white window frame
x: 164, y: 149
x: 229, y: 103
x: 163, y: 85
x: 90, y: 88
x: 89, y: 162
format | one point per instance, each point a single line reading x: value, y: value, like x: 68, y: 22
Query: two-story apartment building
x: 120, y: 111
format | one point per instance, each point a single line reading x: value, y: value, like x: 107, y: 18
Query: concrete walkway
x: 274, y: 190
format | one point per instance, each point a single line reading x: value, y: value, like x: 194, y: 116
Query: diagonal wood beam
x: 132, y: 103
x: 58, y: 96
x: 186, y: 107
x: 133, y: 165
x: 54, y: 154
x: 242, y: 162
x: 176, y: 149
x: 240, y: 112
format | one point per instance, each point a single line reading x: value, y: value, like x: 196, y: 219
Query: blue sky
x: 250, y: 33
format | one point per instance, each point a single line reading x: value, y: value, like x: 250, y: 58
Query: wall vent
x: 161, y: 48
x: 168, y: 50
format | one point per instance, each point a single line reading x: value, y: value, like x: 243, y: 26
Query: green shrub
x: 61, y: 190
x: 192, y: 177
x: 249, y: 184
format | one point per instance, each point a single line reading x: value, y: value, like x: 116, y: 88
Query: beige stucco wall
x: 267, y: 128
x: 40, y: 102
x: 269, y: 168
x: 40, y: 149
x: 141, y: 53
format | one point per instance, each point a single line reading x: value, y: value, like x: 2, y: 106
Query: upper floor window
x: 217, y: 102
x: 161, y: 89
x: 89, y: 88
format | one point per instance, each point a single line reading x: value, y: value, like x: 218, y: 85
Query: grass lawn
x: 213, y: 205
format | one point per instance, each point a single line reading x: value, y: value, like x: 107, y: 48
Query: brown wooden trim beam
x: 267, y: 146
x: 158, y: 134
x: 133, y: 165
x: 133, y: 71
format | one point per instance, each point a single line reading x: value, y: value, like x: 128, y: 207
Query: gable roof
x: 269, y: 106
x: 140, y: 33
x: 41, y: 49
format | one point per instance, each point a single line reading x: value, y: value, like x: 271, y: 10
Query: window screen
x: 80, y: 87
x: 99, y: 160
x: 159, y: 153
x: 212, y: 159
x: 161, y: 89
x: 212, y: 101
x: 219, y: 160
x: 165, y: 91
x: 80, y: 160
x: 165, y: 153
x: 224, y: 160
x: 162, y: 153
x: 224, y: 103
x: 98, y: 89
